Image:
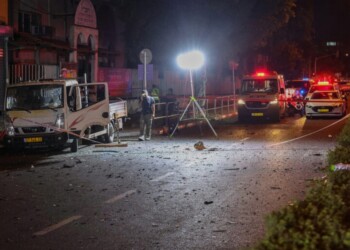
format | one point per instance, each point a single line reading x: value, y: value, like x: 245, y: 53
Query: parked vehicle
x: 298, y: 87
x: 325, y: 104
x: 295, y: 106
x: 59, y: 113
x: 296, y: 91
x: 344, y: 86
x: 321, y: 86
x: 262, y: 95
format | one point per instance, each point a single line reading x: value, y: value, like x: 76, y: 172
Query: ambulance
x: 262, y: 95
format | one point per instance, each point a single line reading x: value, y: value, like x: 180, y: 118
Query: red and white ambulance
x: 262, y: 95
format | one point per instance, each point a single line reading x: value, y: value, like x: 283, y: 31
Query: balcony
x: 41, y: 30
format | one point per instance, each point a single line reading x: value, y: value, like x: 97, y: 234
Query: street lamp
x: 191, y: 61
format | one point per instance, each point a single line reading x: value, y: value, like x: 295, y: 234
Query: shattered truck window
x: 34, y: 97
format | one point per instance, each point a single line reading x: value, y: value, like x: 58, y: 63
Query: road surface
x: 163, y: 193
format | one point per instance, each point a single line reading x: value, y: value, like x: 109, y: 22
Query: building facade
x: 5, y: 33
x: 63, y: 38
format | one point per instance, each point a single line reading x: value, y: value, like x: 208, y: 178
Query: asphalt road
x: 163, y: 193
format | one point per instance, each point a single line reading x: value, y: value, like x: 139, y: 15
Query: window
x: 259, y: 86
x: 34, y: 97
x: 26, y: 20
x: 87, y: 96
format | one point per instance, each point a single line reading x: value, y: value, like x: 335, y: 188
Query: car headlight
x: 9, y: 128
x: 241, y: 102
x: 59, y: 123
x: 274, y: 102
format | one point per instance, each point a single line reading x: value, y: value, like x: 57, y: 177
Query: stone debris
x: 199, y: 145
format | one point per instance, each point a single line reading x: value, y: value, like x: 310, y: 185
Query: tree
x: 225, y: 29
x: 291, y: 48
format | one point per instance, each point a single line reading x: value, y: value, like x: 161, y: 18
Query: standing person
x: 147, y: 115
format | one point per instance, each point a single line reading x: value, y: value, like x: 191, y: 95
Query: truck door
x: 88, y: 106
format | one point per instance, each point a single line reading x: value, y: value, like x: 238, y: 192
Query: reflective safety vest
x: 155, y: 94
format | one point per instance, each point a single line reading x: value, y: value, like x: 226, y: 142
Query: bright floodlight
x: 191, y: 60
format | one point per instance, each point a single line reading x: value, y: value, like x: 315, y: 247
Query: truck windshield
x: 259, y: 86
x: 34, y: 97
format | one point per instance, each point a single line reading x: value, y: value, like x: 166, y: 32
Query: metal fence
x: 214, y: 107
x: 32, y: 72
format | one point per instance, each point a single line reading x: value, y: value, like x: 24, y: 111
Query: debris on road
x: 340, y: 166
x: 199, y: 145
x: 208, y: 202
x: 66, y: 165
x: 213, y: 149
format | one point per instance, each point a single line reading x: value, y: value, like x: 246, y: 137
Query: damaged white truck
x: 59, y: 114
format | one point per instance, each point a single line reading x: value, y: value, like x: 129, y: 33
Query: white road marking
x: 57, y: 226
x: 303, y: 136
x: 120, y: 196
x: 162, y: 177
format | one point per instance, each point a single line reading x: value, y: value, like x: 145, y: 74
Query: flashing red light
x: 260, y: 73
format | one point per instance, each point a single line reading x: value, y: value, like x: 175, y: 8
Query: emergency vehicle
x: 59, y: 113
x: 325, y: 103
x: 262, y: 95
x: 321, y: 86
x: 298, y: 88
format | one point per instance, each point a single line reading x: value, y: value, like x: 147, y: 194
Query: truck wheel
x: 74, y: 145
x: 242, y: 118
x: 109, y: 137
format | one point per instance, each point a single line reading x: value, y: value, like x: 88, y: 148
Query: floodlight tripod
x: 194, y: 103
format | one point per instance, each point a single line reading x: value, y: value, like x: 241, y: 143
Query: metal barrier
x: 214, y: 107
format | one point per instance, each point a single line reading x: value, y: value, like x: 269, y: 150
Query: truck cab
x: 59, y: 113
x: 262, y: 95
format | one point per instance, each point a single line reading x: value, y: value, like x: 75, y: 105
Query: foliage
x: 293, y: 44
x: 344, y: 136
x: 339, y: 155
x: 322, y: 220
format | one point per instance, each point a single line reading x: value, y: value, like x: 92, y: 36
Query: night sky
x: 287, y: 32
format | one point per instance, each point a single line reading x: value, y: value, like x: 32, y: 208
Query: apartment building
x: 63, y: 38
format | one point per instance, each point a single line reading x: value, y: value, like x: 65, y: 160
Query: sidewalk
x: 132, y: 130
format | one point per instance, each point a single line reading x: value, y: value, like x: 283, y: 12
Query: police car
x: 326, y: 104
x: 321, y: 86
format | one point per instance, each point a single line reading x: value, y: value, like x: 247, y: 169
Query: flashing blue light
x: 302, y: 91
x: 306, y: 79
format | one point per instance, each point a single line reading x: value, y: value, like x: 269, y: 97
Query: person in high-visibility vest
x: 155, y: 93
